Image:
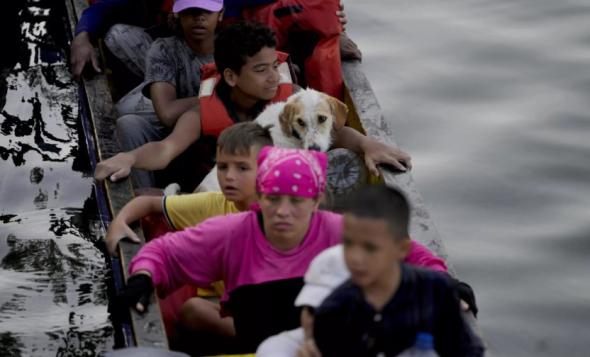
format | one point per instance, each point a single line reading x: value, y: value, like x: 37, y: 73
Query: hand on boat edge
x: 115, y: 168
x: 377, y: 153
x: 137, y: 292
x: 117, y: 231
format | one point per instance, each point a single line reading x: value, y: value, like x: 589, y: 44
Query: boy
x: 326, y: 272
x: 237, y: 149
x: 171, y: 82
x: 246, y: 58
x: 383, y: 306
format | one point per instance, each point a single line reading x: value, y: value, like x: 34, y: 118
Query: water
x: 53, y: 290
x: 491, y: 100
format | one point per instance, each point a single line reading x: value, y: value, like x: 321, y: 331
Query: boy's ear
x: 220, y: 17
x: 230, y: 77
x: 404, y: 247
x: 339, y: 110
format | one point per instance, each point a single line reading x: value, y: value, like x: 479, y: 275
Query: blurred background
x: 491, y: 99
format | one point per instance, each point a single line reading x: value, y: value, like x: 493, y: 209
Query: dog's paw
x: 172, y: 189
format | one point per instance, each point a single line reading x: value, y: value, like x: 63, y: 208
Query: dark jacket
x: 425, y: 301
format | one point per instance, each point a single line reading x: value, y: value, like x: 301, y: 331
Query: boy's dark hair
x: 382, y: 202
x: 241, y: 137
x: 236, y: 42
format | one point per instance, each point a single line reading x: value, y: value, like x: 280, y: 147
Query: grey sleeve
x: 160, y: 65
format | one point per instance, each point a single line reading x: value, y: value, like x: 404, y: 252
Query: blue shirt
x: 425, y: 301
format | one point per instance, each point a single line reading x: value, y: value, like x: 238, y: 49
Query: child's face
x: 286, y: 217
x: 259, y: 76
x: 236, y: 174
x: 370, y: 251
x: 199, y: 24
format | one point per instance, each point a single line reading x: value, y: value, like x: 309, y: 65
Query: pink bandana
x: 292, y: 172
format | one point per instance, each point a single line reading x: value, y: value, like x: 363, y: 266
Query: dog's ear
x: 339, y: 110
x: 286, y: 118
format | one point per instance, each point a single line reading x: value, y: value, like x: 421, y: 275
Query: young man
x: 386, y: 303
x: 248, y: 63
x: 237, y: 149
x: 171, y: 82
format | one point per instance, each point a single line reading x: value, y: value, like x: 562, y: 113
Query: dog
x: 307, y: 120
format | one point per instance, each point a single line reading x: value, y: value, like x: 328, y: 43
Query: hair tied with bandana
x: 293, y: 172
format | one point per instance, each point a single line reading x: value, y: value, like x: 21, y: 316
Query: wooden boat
x: 147, y: 330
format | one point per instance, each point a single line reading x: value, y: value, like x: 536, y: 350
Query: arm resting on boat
x: 374, y: 151
x: 168, y: 107
x: 135, y: 209
x: 154, y: 155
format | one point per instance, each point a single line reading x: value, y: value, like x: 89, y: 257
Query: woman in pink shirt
x: 261, y: 255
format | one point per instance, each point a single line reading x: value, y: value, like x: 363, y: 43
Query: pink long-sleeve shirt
x: 233, y: 248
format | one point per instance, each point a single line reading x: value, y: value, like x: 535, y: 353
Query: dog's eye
x: 300, y: 122
x: 322, y: 118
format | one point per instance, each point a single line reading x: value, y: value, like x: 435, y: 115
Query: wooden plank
x: 148, y: 328
x: 369, y: 116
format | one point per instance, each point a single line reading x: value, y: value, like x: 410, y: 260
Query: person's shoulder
x: 164, y: 45
x: 344, y: 295
x: 230, y: 221
x: 329, y: 217
x: 422, y: 276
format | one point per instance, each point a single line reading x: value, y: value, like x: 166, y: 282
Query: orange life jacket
x: 323, y: 66
x: 214, y: 115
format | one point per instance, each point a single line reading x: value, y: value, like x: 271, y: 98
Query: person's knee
x: 129, y: 130
x: 197, y: 310
x: 113, y: 35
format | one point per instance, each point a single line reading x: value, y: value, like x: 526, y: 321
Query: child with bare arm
x: 237, y: 149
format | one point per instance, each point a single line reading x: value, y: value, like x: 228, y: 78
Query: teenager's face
x: 286, y: 217
x: 236, y: 174
x: 259, y: 76
x: 198, y: 24
x: 370, y: 251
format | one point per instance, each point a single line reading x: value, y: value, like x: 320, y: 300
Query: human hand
x: 348, y: 49
x: 378, y: 153
x: 137, y: 292
x: 342, y: 16
x: 118, y: 230
x: 81, y: 53
x: 309, y: 349
x: 467, y: 297
x: 115, y: 168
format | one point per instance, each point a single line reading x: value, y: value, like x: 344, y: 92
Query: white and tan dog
x: 306, y: 120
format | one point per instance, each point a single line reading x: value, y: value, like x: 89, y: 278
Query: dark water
x: 491, y: 98
x: 52, y: 276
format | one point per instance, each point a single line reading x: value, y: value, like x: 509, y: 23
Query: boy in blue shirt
x: 381, y: 309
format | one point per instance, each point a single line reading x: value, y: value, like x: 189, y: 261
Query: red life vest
x: 214, y: 115
x: 322, y: 67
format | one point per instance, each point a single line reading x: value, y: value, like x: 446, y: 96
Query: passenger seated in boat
x: 237, y: 149
x: 261, y: 255
x: 384, y: 305
x: 249, y: 79
x: 171, y: 86
x: 325, y: 273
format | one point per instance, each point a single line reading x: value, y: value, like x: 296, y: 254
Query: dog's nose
x: 315, y: 147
